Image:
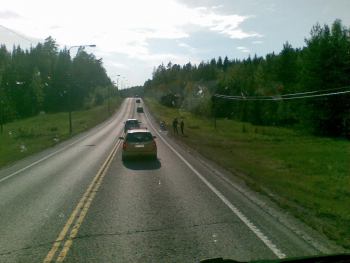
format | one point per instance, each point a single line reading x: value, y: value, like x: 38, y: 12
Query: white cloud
x: 243, y: 49
x: 119, y: 65
x: 55, y: 27
x: 8, y: 15
x: 118, y: 26
x: 188, y: 47
x: 224, y: 24
x: 217, y: 7
x: 182, y: 44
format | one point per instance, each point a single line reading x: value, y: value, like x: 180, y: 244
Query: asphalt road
x: 78, y: 202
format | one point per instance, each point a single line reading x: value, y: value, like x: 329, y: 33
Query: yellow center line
x: 83, y: 213
x: 80, y: 211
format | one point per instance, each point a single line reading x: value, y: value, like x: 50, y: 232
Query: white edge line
x: 48, y: 156
x: 42, y: 159
x: 233, y: 208
x: 304, y: 236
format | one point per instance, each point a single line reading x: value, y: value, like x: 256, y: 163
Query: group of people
x: 175, y: 125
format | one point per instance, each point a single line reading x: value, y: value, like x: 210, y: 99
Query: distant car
x: 139, y: 143
x: 131, y: 124
x: 139, y: 109
x: 138, y: 101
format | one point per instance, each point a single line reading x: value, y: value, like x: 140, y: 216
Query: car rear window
x: 139, y: 137
x: 132, y: 124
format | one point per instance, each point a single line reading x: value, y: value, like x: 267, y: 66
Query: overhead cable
x: 281, y: 97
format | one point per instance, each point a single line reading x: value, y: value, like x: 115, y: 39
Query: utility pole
x: 109, y: 100
x: 214, y: 110
x: 1, y: 116
x: 70, y: 92
x: 109, y: 94
x: 70, y: 109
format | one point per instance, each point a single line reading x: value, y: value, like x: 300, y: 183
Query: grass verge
x: 24, y: 137
x: 306, y: 175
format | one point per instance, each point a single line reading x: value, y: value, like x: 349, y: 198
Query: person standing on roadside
x: 182, y: 126
x: 175, y: 123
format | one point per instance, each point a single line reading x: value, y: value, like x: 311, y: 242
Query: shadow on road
x: 137, y: 164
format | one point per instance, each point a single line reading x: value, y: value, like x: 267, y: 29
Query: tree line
x: 46, y: 79
x: 132, y: 92
x: 323, y: 64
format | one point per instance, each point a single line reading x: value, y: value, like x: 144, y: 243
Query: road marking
x: 271, y: 211
x: 42, y: 159
x: 48, y: 156
x: 80, y: 211
x: 233, y: 208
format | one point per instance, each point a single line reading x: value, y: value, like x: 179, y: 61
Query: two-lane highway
x: 83, y: 204
x: 36, y: 201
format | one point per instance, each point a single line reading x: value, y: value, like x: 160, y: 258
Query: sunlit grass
x: 308, y: 175
x: 24, y: 137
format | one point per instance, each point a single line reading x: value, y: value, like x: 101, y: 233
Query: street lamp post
x: 70, y: 92
x: 118, y: 80
x: 124, y: 82
x: 109, y: 97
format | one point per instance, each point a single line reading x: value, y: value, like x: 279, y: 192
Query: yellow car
x: 139, y: 143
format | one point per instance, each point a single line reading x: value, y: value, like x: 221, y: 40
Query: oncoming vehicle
x: 139, y: 143
x: 139, y: 109
x: 131, y: 124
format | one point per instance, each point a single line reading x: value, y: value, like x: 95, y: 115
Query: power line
x: 313, y: 92
x: 18, y: 34
x: 280, y: 98
x: 282, y: 95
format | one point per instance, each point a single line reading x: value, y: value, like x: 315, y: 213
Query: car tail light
x: 154, y: 144
x: 125, y: 145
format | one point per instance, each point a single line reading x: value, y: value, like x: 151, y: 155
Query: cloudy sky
x: 134, y: 36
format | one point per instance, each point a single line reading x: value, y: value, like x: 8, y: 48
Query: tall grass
x: 24, y: 137
x: 307, y: 175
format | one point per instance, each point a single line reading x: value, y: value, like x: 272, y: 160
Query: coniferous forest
x: 256, y: 89
x: 46, y: 79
